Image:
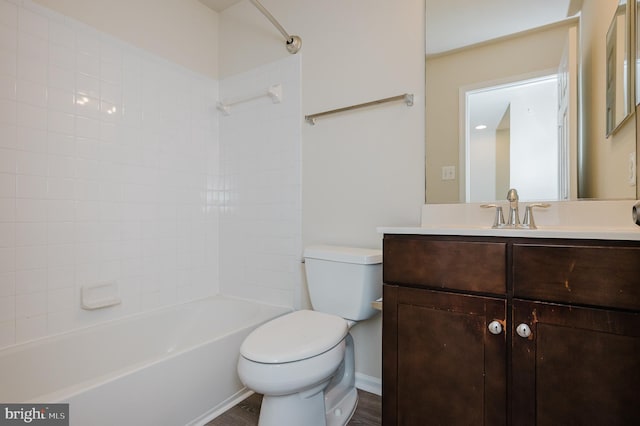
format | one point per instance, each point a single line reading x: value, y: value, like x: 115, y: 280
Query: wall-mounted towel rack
x: 274, y: 92
x: 406, y: 97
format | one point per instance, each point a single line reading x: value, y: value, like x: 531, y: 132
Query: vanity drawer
x: 606, y: 276
x: 436, y: 263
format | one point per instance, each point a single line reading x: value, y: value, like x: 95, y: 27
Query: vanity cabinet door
x: 579, y: 366
x: 441, y: 365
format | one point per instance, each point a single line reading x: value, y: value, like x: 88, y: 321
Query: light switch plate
x: 448, y: 172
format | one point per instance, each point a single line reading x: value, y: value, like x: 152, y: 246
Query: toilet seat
x: 291, y: 377
x: 294, y: 337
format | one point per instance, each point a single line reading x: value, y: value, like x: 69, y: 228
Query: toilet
x: 303, y: 362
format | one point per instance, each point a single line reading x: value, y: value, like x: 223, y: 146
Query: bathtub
x: 173, y: 366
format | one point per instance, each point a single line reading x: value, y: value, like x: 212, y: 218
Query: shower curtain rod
x: 293, y: 42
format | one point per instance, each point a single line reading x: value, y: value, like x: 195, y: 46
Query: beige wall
x: 184, y: 32
x: 362, y: 169
x: 605, y: 160
x: 446, y: 74
x: 248, y: 39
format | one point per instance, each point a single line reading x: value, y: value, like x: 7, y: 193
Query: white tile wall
x: 109, y: 170
x: 260, y: 223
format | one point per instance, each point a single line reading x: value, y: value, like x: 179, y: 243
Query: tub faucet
x: 514, y: 215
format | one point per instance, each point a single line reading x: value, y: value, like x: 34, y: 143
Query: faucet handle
x: 528, y: 221
x: 498, y: 221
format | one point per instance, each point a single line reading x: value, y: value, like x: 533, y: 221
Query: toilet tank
x: 344, y: 280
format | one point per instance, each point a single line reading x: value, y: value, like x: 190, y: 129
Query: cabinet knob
x: 523, y: 330
x: 495, y: 327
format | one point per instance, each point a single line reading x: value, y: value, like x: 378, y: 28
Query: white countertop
x: 600, y: 220
x: 541, y: 232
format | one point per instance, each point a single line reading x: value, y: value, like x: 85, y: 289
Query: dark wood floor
x: 368, y: 412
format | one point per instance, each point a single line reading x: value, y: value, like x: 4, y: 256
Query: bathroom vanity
x: 514, y: 328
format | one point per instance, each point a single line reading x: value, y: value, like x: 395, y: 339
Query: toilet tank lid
x: 344, y: 254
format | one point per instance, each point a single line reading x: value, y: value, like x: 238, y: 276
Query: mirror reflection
x: 505, y: 43
x: 637, y: 53
x: 617, y: 68
x: 511, y: 140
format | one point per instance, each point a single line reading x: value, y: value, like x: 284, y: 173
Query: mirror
x: 637, y: 52
x: 618, y: 71
x: 504, y: 52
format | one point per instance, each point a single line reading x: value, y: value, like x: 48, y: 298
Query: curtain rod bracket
x: 294, y: 43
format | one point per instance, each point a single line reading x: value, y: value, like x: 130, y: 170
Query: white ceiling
x: 488, y: 106
x: 454, y: 24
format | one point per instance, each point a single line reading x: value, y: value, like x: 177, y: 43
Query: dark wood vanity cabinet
x: 579, y: 300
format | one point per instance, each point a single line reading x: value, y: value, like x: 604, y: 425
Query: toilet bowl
x: 291, y: 360
x: 303, y: 362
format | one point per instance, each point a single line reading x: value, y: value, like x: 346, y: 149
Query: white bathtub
x: 173, y: 366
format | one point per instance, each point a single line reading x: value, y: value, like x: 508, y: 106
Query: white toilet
x: 303, y: 362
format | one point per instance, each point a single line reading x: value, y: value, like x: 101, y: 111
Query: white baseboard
x: 366, y: 383
x: 369, y: 383
x: 225, y: 405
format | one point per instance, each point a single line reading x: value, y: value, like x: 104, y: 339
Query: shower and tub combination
x: 170, y: 366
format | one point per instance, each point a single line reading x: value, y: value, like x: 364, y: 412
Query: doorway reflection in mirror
x: 511, y: 141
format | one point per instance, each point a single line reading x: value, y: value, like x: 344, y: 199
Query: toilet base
x: 330, y: 403
x: 304, y: 408
x: 341, y: 395
x: 343, y: 410
x: 307, y: 408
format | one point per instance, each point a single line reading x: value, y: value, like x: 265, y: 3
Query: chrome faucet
x: 513, y: 219
x: 528, y: 221
x: 514, y: 214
